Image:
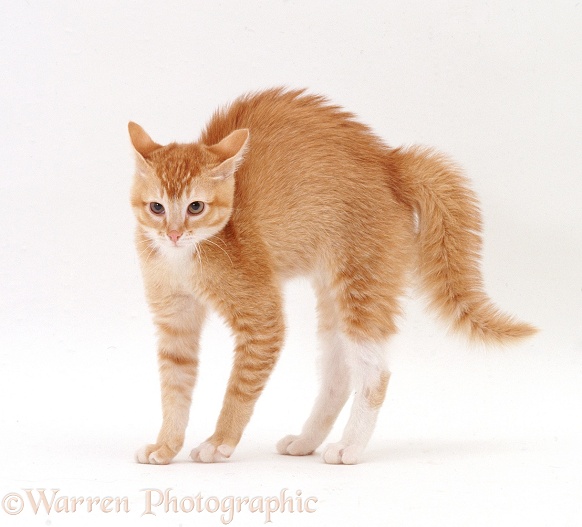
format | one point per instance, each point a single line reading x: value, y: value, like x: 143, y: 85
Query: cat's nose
x: 174, y: 236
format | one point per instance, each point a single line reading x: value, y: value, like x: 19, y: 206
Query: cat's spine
x: 449, y: 243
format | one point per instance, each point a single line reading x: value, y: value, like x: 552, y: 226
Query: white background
x: 466, y: 437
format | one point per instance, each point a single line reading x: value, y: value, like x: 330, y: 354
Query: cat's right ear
x: 232, y: 150
x: 143, y: 144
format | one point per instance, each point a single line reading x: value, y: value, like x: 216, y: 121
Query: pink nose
x: 174, y: 236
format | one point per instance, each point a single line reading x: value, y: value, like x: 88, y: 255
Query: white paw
x: 148, y: 454
x: 297, y: 445
x: 208, y: 453
x: 342, y: 454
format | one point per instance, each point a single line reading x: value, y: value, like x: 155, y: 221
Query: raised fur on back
x: 280, y: 184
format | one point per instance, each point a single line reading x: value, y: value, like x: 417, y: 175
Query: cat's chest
x: 172, y: 273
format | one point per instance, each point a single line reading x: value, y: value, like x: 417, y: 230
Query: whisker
x: 152, y: 250
x: 147, y: 247
x: 221, y: 248
x: 197, y: 252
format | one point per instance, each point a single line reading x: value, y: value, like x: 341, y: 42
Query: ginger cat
x: 281, y: 184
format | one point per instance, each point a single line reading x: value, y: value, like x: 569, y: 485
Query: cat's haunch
x: 281, y: 184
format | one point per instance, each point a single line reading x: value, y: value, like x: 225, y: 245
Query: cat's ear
x: 232, y: 149
x: 141, y: 141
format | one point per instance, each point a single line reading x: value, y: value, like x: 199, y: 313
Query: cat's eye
x: 157, y: 208
x: 195, y: 208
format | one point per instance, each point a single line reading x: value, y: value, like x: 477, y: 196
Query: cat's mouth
x: 179, y: 249
x: 179, y: 244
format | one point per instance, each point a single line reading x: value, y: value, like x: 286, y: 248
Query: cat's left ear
x: 232, y: 149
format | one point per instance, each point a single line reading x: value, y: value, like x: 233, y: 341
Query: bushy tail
x: 449, y: 225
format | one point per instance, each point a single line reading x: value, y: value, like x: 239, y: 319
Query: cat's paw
x: 297, y: 445
x: 342, y: 454
x: 154, y: 454
x: 208, y: 453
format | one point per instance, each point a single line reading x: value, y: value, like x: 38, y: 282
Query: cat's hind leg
x: 334, y: 392
x: 335, y: 380
x: 370, y: 379
x: 367, y: 288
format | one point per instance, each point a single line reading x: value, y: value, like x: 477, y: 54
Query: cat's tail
x: 449, y: 243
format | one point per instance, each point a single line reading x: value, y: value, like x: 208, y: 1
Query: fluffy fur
x: 280, y: 184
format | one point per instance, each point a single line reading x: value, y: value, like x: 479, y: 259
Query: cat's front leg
x: 179, y: 320
x: 259, y: 336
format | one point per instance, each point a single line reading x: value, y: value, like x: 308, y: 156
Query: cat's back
x: 290, y: 124
x: 311, y: 172
x: 276, y: 110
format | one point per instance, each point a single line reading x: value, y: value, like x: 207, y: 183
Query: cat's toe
x: 209, y: 453
x: 342, y: 454
x: 282, y: 444
x: 333, y: 453
x: 152, y: 455
x: 141, y: 455
x: 296, y: 446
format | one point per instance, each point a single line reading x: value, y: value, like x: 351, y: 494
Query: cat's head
x: 183, y: 193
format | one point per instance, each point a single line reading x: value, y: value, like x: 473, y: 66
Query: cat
x: 280, y: 184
